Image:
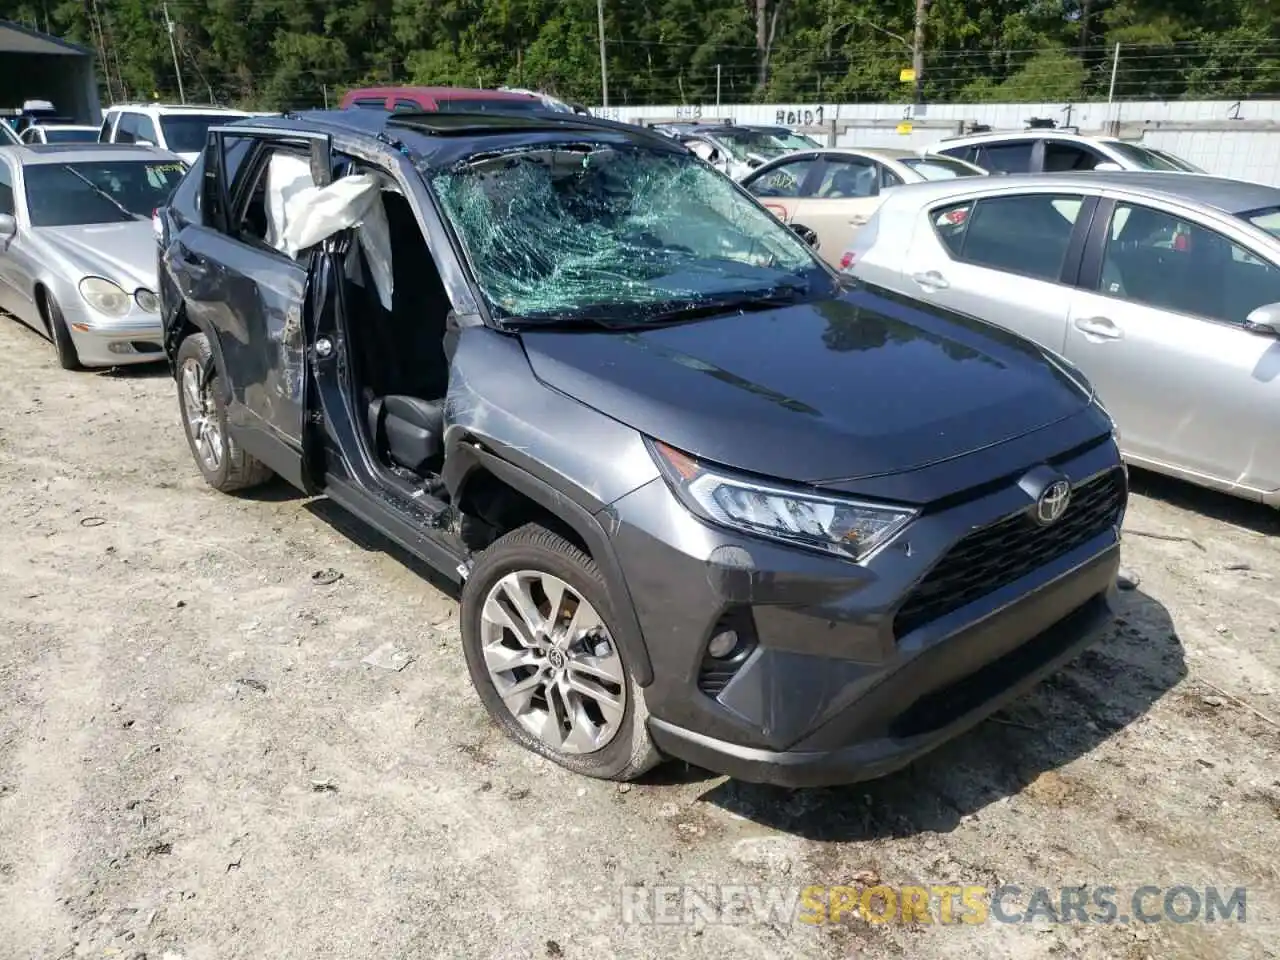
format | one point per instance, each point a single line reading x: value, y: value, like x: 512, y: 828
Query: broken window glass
x: 554, y: 230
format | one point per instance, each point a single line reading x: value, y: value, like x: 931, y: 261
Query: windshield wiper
x: 641, y: 315
x: 102, y: 193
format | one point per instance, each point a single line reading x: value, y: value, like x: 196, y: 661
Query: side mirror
x: 8, y: 225
x: 1264, y: 319
x: 807, y: 235
x: 1107, y: 166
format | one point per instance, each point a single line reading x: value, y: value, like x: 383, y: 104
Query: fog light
x: 120, y: 346
x: 723, y: 644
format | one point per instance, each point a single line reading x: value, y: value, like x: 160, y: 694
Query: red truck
x: 439, y: 99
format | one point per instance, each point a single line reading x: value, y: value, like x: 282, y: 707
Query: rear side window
x: 1068, y: 156
x: 407, y: 106
x: 104, y: 135
x: 1013, y: 157
x: 960, y: 153
x: 1026, y: 235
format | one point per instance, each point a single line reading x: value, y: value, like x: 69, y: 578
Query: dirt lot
x: 196, y: 764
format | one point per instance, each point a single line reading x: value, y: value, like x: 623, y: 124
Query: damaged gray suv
x: 705, y: 498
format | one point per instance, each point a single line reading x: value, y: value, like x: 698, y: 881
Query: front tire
x: 224, y: 465
x: 535, y: 631
x: 68, y: 357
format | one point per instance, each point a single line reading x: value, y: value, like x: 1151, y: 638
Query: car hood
x: 862, y: 385
x: 124, y: 253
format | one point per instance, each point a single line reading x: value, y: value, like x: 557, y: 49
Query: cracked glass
x: 554, y: 231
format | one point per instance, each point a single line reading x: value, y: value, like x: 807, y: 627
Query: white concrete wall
x: 1246, y: 154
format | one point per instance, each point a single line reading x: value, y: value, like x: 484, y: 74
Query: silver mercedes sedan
x: 1162, y: 288
x: 77, y: 251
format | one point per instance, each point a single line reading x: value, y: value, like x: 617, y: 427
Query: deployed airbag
x: 300, y: 215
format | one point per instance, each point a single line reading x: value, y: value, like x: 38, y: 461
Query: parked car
x: 60, y: 133
x: 732, y: 149
x: 1163, y: 288
x: 440, y: 100
x: 822, y: 193
x: 667, y: 451
x: 1055, y: 151
x: 178, y: 129
x: 77, y: 253
x: 34, y: 111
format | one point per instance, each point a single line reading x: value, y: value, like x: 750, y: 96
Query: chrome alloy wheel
x: 553, y: 662
x: 202, y: 415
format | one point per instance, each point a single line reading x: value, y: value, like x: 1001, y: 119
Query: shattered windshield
x: 559, y: 231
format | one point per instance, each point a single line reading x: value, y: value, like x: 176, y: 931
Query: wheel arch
x: 471, y: 471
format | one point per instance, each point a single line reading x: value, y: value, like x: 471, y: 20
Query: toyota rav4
x: 705, y: 499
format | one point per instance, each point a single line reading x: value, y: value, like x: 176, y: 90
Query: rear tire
x: 583, y: 708
x: 68, y: 357
x: 223, y: 463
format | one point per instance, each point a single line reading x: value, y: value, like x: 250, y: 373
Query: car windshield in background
x: 620, y: 232
x: 1149, y: 159
x: 109, y: 191
x: 1267, y: 219
x: 57, y: 135
x: 939, y: 168
x: 743, y: 144
x: 484, y: 105
x: 187, y: 132
x: 797, y: 141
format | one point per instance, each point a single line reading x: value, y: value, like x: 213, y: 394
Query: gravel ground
x: 196, y: 763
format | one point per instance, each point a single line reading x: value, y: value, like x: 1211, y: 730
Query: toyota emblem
x: 1053, y: 502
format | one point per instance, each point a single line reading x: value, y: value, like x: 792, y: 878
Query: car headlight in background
x: 105, y: 296
x: 847, y: 528
x: 147, y: 300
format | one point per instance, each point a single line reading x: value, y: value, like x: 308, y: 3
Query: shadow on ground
x: 1239, y: 512
x: 366, y: 538
x: 1073, y: 711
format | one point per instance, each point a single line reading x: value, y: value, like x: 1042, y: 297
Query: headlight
x: 147, y: 300
x: 105, y: 296
x: 848, y: 528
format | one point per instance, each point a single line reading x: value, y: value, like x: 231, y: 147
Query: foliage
x: 273, y: 54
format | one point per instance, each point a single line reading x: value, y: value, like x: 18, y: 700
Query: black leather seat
x: 409, y: 431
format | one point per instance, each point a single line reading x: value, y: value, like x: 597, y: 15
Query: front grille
x: 996, y: 555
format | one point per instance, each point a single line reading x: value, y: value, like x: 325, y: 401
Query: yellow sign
x: 905, y: 127
x: 907, y: 75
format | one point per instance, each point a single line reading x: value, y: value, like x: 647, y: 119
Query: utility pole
x: 604, y: 63
x: 173, y: 49
x: 717, y: 86
x: 917, y: 51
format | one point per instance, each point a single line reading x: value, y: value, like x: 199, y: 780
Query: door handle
x: 1099, y: 327
x: 857, y: 221
x: 931, y: 279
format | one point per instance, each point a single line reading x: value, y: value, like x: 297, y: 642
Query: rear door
x: 840, y: 197
x: 250, y: 294
x: 1008, y: 259
x: 1158, y: 326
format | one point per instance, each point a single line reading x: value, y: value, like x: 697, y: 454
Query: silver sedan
x: 1162, y: 288
x: 77, y: 251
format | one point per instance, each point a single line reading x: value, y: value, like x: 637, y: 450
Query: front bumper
x: 1077, y: 609
x: 846, y: 679
x: 114, y: 341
